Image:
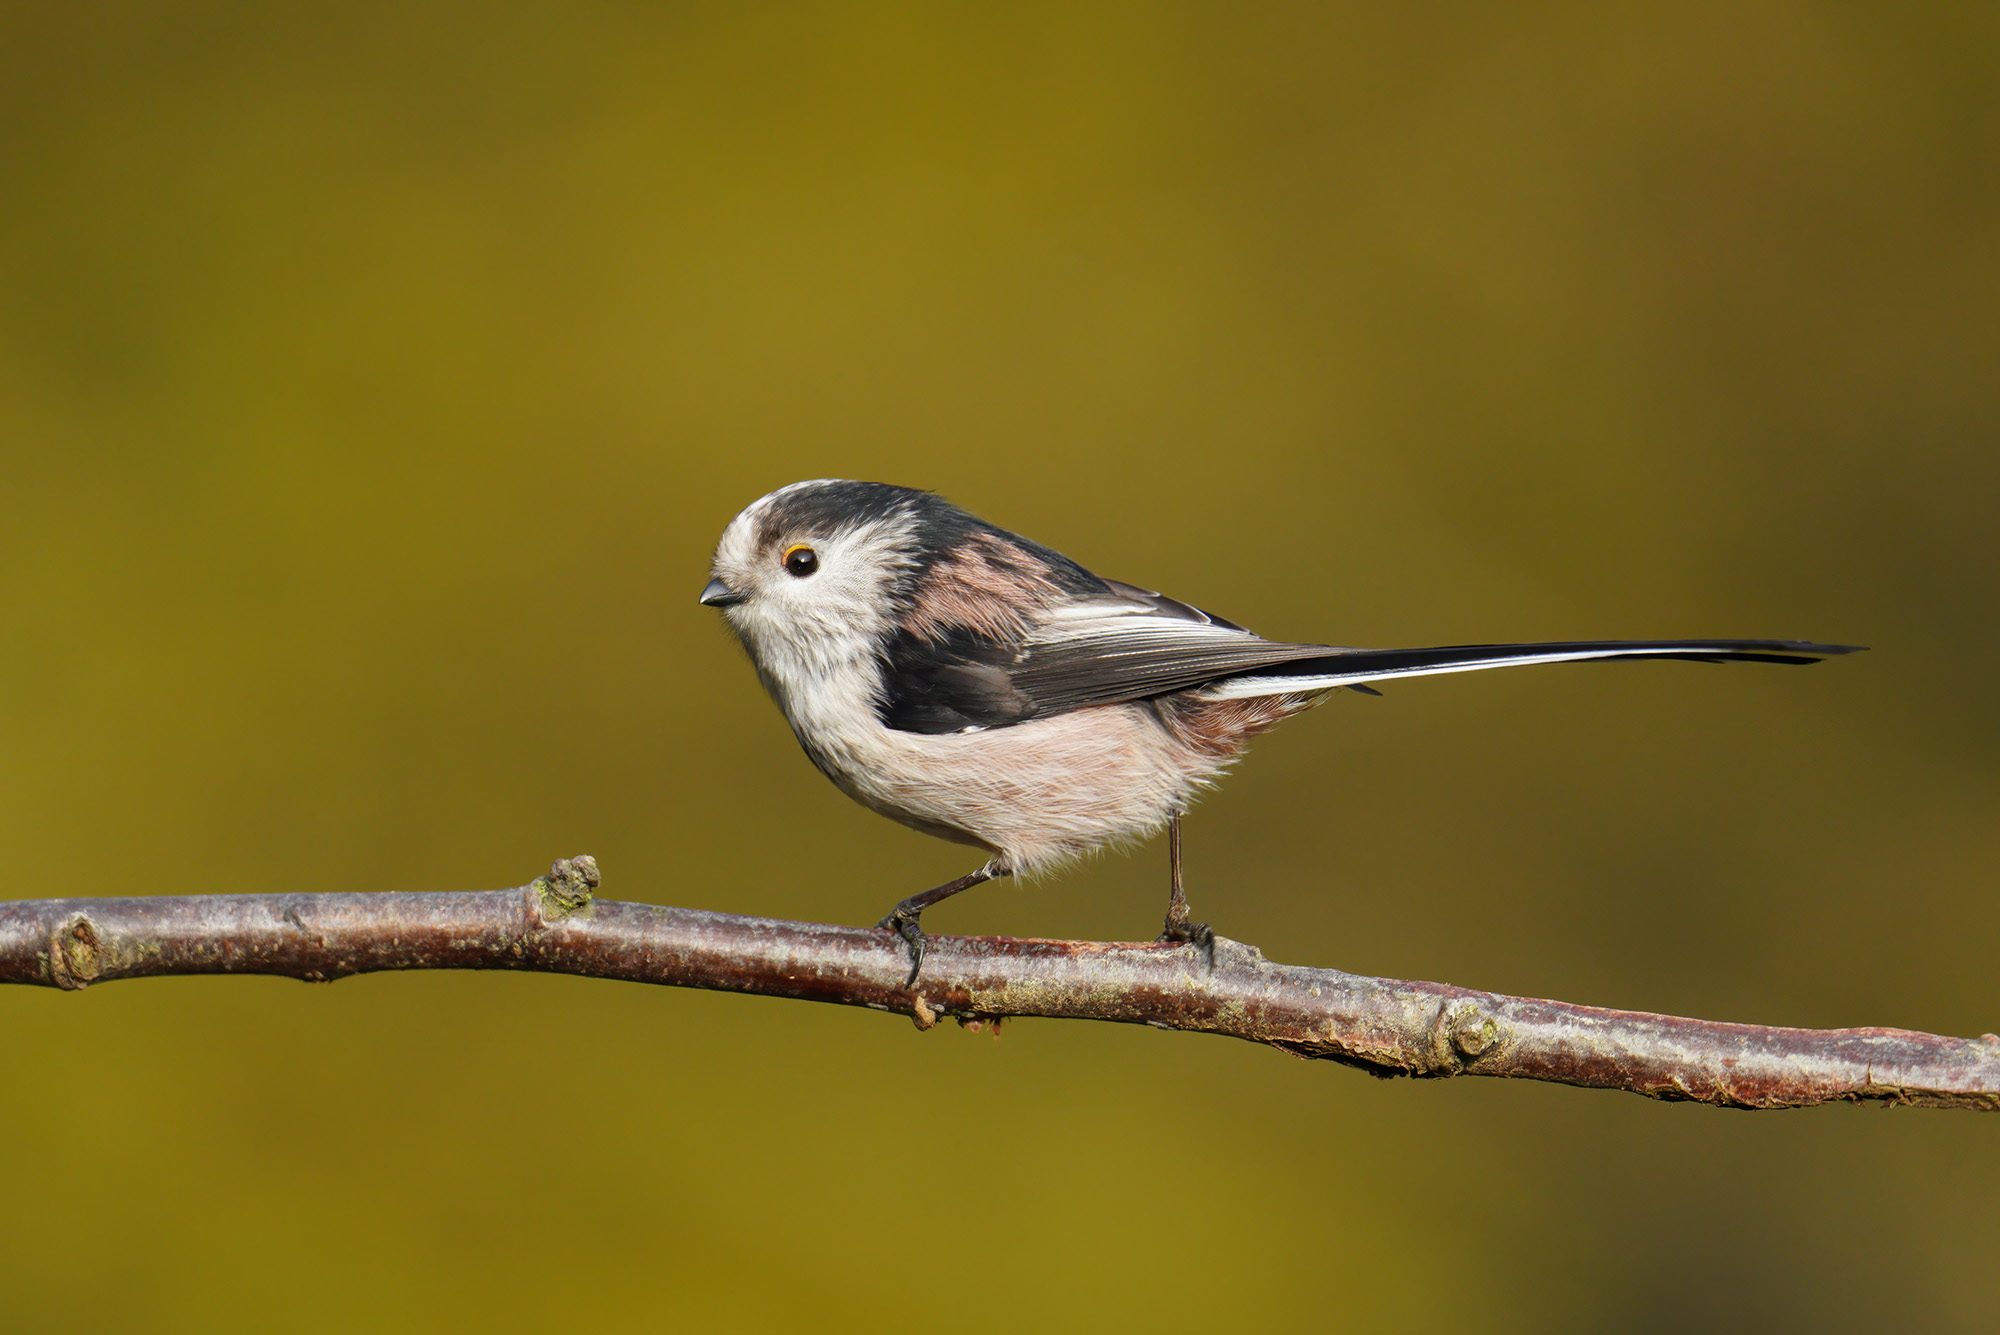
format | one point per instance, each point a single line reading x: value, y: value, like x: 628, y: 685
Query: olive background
x: 374, y: 382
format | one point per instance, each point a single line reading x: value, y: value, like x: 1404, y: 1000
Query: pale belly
x: 1036, y: 793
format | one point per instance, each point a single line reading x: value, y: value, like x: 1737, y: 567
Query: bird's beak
x: 717, y: 594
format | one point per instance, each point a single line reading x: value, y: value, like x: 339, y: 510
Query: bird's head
x: 815, y: 574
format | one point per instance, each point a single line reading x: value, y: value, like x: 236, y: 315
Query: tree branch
x: 1386, y: 1026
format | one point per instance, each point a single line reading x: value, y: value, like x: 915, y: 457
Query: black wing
x: 1127, y: 644
x: 1069, y: 658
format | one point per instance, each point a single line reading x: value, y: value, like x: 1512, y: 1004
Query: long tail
x: 1356, y: 667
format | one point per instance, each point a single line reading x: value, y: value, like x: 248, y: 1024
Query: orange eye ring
x: 799, y: 560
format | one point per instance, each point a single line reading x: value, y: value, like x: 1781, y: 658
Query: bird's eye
x: 799, y: 560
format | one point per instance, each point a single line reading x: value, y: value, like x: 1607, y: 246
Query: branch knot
x: 567, y: 889
x: 76, y: 955
x: 1472, y: 1031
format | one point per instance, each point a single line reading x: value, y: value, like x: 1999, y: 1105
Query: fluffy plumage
x: 980, y: 687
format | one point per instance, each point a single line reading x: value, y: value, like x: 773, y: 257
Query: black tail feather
x: 1346, y: 667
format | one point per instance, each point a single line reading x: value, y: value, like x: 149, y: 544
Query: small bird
x: 985, y: 689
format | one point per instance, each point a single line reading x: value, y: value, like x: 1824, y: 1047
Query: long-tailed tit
x: 980, y: 687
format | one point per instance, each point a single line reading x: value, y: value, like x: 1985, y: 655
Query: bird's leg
x: 1178, y: 927
x: 902, y: 919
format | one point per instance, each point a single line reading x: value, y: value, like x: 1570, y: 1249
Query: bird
x: 980, y: 687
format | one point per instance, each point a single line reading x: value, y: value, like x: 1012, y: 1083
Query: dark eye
x: 800, y: 560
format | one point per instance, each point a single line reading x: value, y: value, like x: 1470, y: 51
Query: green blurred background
x: 374, y: 380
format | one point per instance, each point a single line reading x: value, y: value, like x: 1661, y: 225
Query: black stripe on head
x: 824, y: 508
x: 938, y: 529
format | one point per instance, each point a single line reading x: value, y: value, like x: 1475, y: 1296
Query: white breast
x: 1036, y: 793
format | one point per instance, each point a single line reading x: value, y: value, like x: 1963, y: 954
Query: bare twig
x: 1387, y: 1026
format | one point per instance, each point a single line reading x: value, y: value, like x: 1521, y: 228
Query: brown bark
x: 1387, y: 1026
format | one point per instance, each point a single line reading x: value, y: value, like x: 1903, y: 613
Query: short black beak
x: 717, y: 594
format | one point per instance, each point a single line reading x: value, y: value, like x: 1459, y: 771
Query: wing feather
x: 1133, y: 657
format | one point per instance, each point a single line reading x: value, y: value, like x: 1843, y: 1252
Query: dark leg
x: 902, y: 919
x: 1178, y: 928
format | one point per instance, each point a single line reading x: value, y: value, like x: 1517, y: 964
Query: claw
x: 906, y: 926
x: 902, y: 919
x: 1197, y: 934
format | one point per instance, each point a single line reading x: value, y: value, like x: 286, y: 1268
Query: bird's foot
x: 902, y: 920
x: 1179, y: 931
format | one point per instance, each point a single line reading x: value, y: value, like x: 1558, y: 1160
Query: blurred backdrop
x: 374, y: 381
